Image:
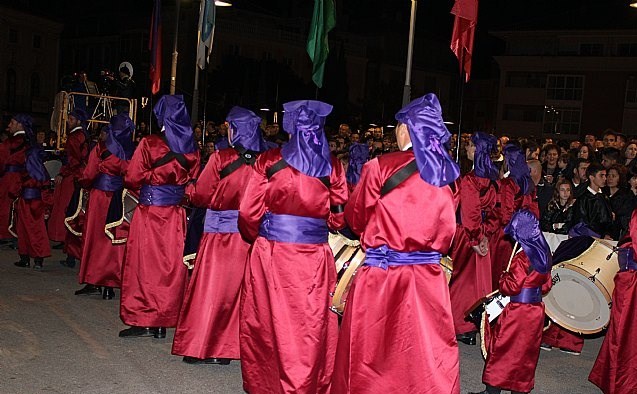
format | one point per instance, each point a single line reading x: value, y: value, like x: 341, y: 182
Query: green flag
x: 323, y: 20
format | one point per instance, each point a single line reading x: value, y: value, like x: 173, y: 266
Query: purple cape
x: 171, y: 114
x: 244, y: 126
x: 482, y: 163
x: 358, y: 155
x: 519, y: 170
x: 119, y: 139
x: 525, y: 228
x: 35, y: 164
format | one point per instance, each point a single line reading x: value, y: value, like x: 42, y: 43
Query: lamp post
x: 410, y: 51
x: 173, y: 69
x: 195, y: 90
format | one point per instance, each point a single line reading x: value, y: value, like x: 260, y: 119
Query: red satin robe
x: 101, y: 259
x: 12, y: 152
x: 76, y: 149
x: 501, y: 246
x: 471, y: 278
x: 514, y: 342
x: 153, y: 274
x: 559, y: 337
x: 29, y: 223
x: 615, y: 370
x: 209, y: 319
x: 287, y: 333
x: 397, y: 332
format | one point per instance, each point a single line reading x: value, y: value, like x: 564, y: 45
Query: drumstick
x: 512, y: 254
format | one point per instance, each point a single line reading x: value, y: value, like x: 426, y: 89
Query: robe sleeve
x: 470, y: 210
x: 338, y: 195
x: 511, y: 281
x: 91, y: 171
x: 364, y: 197
x: 138, y: 172
x: 252, y: 207
x: 200, y: 192
x: 76, y: 150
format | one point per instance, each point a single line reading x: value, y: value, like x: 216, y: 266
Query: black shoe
x: 108, y: 293
x: 213, y: 360
x: 37, y: 265
x: 69, y: 262
x: 24, y: 262
x: 134, y: 332
x: 468, y: 338
x: 58, y: 246
x: 89, y: 290
x: 159, y: 332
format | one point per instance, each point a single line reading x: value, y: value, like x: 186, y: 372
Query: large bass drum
x: 580, y: 298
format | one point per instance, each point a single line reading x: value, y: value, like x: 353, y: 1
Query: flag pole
x: 195, y: 90
x: 462, y: 83
x: 410, y: 52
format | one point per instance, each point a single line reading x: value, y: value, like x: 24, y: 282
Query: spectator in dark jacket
x: 558, y: 216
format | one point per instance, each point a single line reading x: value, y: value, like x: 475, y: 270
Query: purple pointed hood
x: 27, y: 122
x: 308, y: 150
x: 428, y: 134
x: 245, y: 130
x: 525, y: 229
x: 358, y: 155
x: 519, y: 170
x: 119, y: 138
x: 171, y: 114
x: 483, y: 165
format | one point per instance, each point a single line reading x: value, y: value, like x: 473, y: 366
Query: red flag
x: 464, y: 28
x: 154, y: 45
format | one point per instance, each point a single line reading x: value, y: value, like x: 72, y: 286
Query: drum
x: 554, y: 240
x: 346, y: 277
x: 582, y: 286
x: 343, y: 248
x: 447, y: 266
x: 53, y: 167
x: 130, y: 203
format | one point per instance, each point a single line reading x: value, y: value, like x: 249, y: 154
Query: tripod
x: 103, y: 109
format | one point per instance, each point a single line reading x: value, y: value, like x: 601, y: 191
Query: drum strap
x: 105, y: 154
x: 181, y: 159
x: 281, y: 164
x: 399, y: 177
x: 245, y: 157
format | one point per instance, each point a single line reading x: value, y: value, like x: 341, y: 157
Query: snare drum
x: 582, y: 288
x: 343, y: 248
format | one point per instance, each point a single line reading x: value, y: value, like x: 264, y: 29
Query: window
x: 627, y: 49
x: 37, y: 41
x: 518, y: 79
x: 35, y: 85
x: 631, y: 91
x: 564, y: 87
x: 523, y: 113
x: 591, y: 49
x: 13, y: 36
x: 11, y: 82
x: 562, y: 120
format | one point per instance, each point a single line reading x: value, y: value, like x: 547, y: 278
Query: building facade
x: 567, y: 83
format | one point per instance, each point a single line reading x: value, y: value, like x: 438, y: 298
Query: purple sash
x: 383, y: 257
x: 161, y: 195
x: 626, y: 260
x: 293, y: 229
x: 221, y: 221
x: 31, y: 193
x: 14, y: 168
x: 108, y: 183
x: 528, y: 295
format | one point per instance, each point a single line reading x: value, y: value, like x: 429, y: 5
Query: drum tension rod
x: 592, y: 277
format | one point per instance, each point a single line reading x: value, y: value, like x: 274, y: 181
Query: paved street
x: 54, y: 342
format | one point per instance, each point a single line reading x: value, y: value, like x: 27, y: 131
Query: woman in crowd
x: 586, y: 152
x: 559, y: 213
x: 622, y: 201
x: 629, y: 155
x: 550, y: 169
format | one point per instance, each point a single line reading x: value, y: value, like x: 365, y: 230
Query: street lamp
x: 633, y: 4
x: 410, y: 51
x: 173, y: 70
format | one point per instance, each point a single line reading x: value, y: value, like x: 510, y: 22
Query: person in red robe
x: 153, y: 274
x: 287, y: 334
x: 398, y: 313
x: 76, y: 151
x: 12, y: 159
x: 208, y: 327
x: 103, y: 177
x: 471, y: 279
x: 513, y: 347
x: 615, y: 369
x: 28, y: 222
